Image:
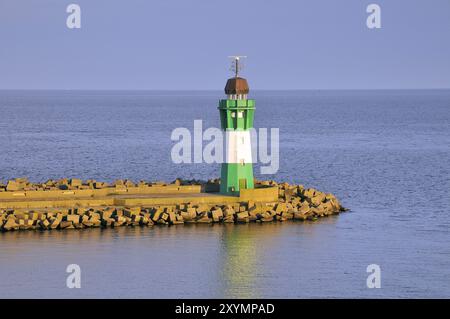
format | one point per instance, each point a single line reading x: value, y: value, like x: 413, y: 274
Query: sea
x: 384, y: 153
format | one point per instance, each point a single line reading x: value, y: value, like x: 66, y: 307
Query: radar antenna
x: 236, y: 65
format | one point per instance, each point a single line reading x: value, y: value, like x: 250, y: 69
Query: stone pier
x: 77, y: 204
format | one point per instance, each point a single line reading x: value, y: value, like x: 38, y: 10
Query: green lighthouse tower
x: 236, y: 117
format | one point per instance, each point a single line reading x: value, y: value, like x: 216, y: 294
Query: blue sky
x: 180, y: 44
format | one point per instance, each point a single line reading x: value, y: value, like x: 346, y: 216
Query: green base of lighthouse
x: 235, y: 177
x: 237, y: 120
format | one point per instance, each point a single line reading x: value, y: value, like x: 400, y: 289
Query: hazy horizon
x: 221, y: 90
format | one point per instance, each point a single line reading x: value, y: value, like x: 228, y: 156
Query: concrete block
x: 129, y: 183
x: 317, y: 199
x: 94, y: 216
x: 95, y: 223
x: 217, y: 215
x: 137, y: 219
x: 107, y: 213
x: 87, y: 223
x: 295, y: 201
x: 157, y: 214
x: 172, y: 217
x: 309, y: 193
x: 202, y: 208
x: 204, y: 219
x: 131, y: 211
x: 75, y: 219
x: 162, y: 222
x: 189, y: 214
x: 66, y: 225
x: 243, y: 217
x: 44, y: 224
x: 55, y: 221
x: 10, y: 224
x: 75, y: 182
x: 242, y: 214
x: 288, y: 215
x: 229, y: 211
x: 33, y: 215
x: 304, y: 208
x: 13, y: 186
x: 281, y: 207
x: 228, y: 219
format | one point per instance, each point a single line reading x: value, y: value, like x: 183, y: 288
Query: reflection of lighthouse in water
x: 236, y: 117
x: 241, y: 259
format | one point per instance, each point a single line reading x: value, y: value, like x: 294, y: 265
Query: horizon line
x: 213, y: 90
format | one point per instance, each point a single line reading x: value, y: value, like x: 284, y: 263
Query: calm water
x: 385, y: 154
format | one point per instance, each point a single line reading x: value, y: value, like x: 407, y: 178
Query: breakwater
x: 77, y: 204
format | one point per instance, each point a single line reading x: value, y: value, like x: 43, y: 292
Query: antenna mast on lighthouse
x: 235, y: 65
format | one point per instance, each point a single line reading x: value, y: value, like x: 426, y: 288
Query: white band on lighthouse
x: 238, y: 147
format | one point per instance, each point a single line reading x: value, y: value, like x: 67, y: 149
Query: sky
x: 185, y: 44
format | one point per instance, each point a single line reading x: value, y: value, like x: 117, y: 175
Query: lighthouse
x: 236, y: 118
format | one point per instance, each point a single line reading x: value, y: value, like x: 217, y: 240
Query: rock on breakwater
x: 295, y: 202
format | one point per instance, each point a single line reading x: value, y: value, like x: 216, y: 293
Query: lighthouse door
x: 242, y: 183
